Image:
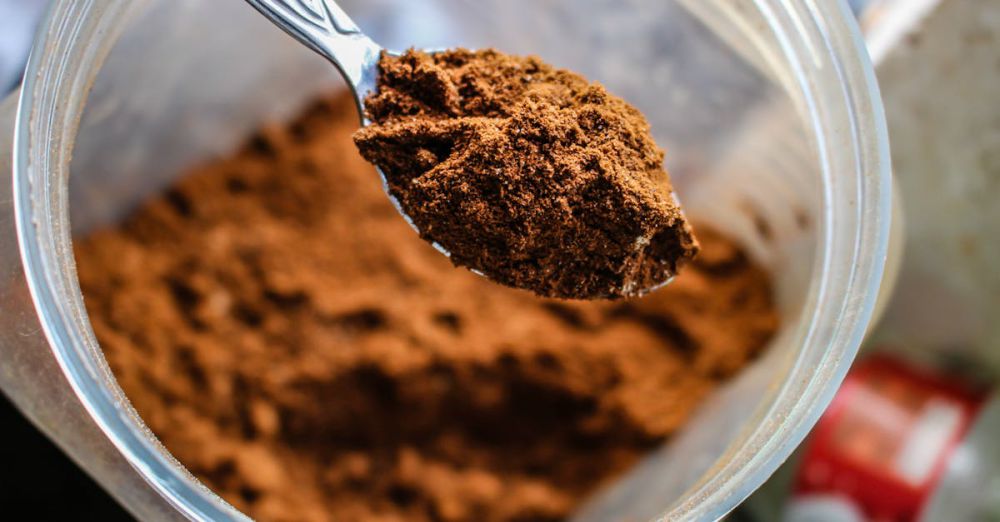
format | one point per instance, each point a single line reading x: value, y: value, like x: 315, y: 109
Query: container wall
x: 30, y: 375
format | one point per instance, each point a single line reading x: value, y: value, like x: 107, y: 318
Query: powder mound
x: 299, y: 349
x: 529, y: 174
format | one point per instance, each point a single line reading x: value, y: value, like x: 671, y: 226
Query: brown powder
x: 529, y: 174
x: 293, y: 343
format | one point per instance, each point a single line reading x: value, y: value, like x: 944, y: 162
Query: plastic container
x: 768, y: 110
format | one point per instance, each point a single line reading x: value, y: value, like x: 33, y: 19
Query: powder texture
x: 529, y: 174
x: 295, y: 345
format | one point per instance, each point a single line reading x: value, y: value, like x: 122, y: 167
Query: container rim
x: 840, y: 101
x: 821, y: 43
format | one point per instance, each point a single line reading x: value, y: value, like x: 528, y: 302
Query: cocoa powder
x: 529, y: 174
x: 297, y: 347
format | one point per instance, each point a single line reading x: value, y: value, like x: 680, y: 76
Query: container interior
x: 189, y: 80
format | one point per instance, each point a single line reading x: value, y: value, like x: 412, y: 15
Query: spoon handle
x: 325, y: 28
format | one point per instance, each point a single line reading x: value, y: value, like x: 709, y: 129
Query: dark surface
x: 40, y: 482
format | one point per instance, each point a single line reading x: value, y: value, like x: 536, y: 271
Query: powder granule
x: 529, y: 174
x: 298, y: 348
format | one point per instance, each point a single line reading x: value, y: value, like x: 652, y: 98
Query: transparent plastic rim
x: 821, y: 45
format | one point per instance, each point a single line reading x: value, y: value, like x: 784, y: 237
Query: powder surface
x: 529, y: 174
x: 296, y: 346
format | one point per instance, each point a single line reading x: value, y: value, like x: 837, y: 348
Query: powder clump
x: 298, y: 348
x: 529, y: 174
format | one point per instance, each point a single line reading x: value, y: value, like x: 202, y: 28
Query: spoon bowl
x: 325, y: 28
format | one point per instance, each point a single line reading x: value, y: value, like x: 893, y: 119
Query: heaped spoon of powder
x: 527, y: 174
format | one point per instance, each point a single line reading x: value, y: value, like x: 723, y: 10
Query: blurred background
x: 17, y: 26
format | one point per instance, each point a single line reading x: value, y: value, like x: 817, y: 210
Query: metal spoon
x: 325, y: 28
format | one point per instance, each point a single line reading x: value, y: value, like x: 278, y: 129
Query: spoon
x: 326, y: 29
